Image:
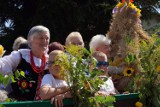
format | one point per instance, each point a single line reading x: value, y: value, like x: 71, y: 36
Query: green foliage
x: 1, y: 105
x: 17, y: 75
x: 4, y: 79
x: 130, y: 58
x: 147, y: 82
x: 101, y: 101
x: 83, y: 86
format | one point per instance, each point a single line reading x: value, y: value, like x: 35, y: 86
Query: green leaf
x: 2, y: 105
x: 8, y: 100
x: 22, y: 73
x: 96, y: 72
x: 12, y: 78
x: 127, y: 60
x: 6, y: 81
x: 17, y: 74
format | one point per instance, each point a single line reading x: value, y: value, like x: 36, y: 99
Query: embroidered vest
x: 25, y: 87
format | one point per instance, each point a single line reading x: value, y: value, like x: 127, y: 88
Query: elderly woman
x: 32, y: 61
x: 100, y: 43
x: 75, y: 38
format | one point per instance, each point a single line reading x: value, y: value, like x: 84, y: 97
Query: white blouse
x: 9, y: 63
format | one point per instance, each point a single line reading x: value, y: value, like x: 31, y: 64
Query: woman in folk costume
x: 32, y: 61
x: 125, y: 33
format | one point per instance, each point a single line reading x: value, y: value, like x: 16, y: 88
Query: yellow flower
x: 138, y: 104
x: 158, y: 68
x: 1, y: 50
x: 119, y: 5
x: 128, y: 71
x: 131, y: 5
x: 134, y: 7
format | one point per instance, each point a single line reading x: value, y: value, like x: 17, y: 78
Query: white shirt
x: 50, y: 81
x: 108, y: 87
x: 9, y: 63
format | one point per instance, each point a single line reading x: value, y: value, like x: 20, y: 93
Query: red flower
x: 24, y: 84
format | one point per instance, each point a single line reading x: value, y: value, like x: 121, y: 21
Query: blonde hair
x: 55, y: 52
x: 99, y: 55
x: 72, y: 35
x: 18, y: 41
x: 97, y: 40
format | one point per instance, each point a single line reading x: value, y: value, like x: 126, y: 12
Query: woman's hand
x: 58, y: 100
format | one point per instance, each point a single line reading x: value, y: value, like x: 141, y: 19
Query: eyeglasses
x: 102, y: 63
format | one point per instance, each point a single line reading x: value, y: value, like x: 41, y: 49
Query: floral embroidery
x: 26, y: 72
x: 24, y: 84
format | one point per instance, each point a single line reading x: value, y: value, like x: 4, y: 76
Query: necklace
x: 34, y: 67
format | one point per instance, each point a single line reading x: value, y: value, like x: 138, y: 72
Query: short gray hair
x: 97, y: 40
x: 34, y: 30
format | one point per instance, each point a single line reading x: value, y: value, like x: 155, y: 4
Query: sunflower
x: 138, y: 104
x: 158, y: 69
x: 128, y: 71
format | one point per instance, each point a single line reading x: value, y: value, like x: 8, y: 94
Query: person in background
x: 20, y: 43
x: 75, y: 38
x: 55, y: 46
x: 102, y: 63
x: 53, y: 85
x: 31, y: 61
x: 100, y: 43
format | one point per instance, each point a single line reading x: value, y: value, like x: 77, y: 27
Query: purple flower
x: 114, y: 10
x: 26, y: 72
x: 134, y: 11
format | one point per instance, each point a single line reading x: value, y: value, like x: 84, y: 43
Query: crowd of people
x: 36, y: 56
x: 43, y: 81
